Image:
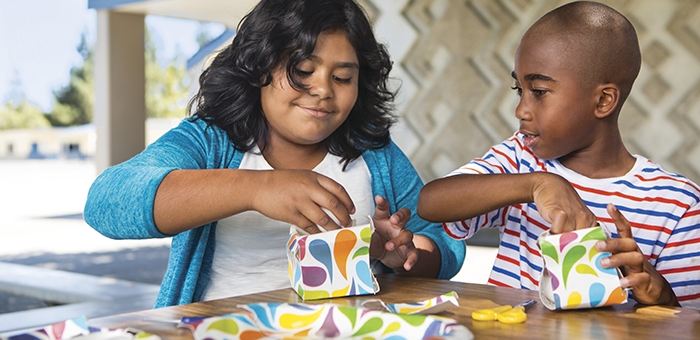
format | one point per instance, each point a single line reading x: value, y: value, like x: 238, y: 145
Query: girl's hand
x: 560, y: 205
x: 648, y: 286
x: 298, y: 196
x: 391, y: 242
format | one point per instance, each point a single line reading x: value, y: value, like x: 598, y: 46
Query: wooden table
x: 628, y: 321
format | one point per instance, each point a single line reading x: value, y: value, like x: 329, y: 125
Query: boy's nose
x: 522, y: 112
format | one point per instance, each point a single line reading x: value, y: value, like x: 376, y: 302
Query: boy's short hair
x: 602, y: 42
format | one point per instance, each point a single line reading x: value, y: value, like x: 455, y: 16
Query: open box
x: 331, y: 264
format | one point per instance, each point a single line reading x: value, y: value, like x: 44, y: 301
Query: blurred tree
x: 166, y: 90
x: 73, y: 103
x: 17, y: 112
x: 21, y: 115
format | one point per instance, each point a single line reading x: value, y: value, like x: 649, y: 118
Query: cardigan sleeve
x: 395, y: 178
x: 120, y: 201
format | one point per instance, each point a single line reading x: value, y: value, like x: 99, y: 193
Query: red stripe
x: 499, y: 283
x: 511, y: 232
x: 535, y: 252
x: 679, y: 270
x: 640, y: 225
x: 511, y: 161
x: 507, y: 259
x: 691, y: 213
x: 522, y: 147
x: 450, y: 234
x: 688, y: 297
x: 682, y: 243
x: 629, y: 197
x: 527, y: 275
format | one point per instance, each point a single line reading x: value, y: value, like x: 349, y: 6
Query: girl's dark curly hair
x: 285, y: 31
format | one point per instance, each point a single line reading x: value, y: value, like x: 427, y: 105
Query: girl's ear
x: 608, y: 100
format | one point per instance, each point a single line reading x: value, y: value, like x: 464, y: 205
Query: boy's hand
x: 560, y: 205
x: 391, y: 242
x: 298, y: 196
x: 648, y: 286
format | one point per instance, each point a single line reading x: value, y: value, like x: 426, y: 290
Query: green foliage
x: 166, y: 91
x: 73, y: 104
x: 21, y: 115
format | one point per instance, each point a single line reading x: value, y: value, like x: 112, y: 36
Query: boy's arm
x: 461, y: 197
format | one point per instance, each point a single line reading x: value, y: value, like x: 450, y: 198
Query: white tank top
x: 250, y: 254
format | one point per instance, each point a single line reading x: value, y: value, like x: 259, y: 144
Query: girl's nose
x: 321, y: 87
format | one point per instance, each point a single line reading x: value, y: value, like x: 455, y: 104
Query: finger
x: 320, y: 217
x: 400, y: 218
x: 559, y: 222
x: 617, y: 245
x: 411, y: 259
x: 632, y: 261
x: 338, y: 191
x: 381, y: 210
x: 624, y: 230
x: 405, y: 237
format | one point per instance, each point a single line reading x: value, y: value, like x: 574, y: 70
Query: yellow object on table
x: 505, y: 314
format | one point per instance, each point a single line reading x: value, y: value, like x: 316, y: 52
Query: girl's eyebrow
x: 342, y: 64
x: 534, y: 76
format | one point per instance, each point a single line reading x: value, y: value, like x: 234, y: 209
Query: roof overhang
x: 227, y: 12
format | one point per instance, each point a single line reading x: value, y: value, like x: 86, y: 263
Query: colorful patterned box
x: 331, y: 264
x: 572, y: 276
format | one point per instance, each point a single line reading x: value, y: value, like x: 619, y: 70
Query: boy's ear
x: 608, y: 100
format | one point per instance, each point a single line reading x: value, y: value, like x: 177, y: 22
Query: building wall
x: 454, y: 58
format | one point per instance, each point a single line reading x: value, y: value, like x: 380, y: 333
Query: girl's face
x: 308, y: 117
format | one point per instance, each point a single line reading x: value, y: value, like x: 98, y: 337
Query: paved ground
x: 41, y: 203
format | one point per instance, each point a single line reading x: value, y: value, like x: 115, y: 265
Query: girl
x: 290, y: 125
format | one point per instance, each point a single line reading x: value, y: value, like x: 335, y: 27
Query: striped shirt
x: 663, y: 209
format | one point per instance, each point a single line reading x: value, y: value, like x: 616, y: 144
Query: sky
x: 38, y: 40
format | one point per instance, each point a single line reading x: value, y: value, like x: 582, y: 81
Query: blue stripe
x: 507, y: 273
x: 685, y: 229
x: 685, y: 283
x: 510, y: 246
x: 667, y: 215
x: 487, y: 169
x: 652, y: 170
x: 660, y: 187
x: 678, y: 257
x: 533, y: 266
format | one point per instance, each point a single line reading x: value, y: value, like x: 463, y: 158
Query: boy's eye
x: 538, y: 93
x: 518, y: 90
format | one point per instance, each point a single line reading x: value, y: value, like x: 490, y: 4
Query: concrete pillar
x: 120, y: 102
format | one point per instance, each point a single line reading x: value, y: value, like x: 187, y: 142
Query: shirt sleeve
x: 120, y: 201
x: 505, y: 158
x: 679, y: 259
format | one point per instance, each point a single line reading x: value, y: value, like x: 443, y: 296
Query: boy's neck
x: 607, y: 159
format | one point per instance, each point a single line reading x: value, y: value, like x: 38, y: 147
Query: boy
x: 567, y: 165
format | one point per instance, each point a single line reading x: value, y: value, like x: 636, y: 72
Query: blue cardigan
x: 120, y: 203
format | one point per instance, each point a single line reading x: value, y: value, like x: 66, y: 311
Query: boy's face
x: 308, y: 117
x: 556, y: 110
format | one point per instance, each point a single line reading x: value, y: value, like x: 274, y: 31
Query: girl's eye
x: 303, y: 73
x: 518, y: 90
x: 342, y: 80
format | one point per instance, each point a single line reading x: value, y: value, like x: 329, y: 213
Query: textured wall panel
x: 453, y: 60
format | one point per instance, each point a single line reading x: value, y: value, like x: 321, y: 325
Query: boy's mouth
x: 529, y: 139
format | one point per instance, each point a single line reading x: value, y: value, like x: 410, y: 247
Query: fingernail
x: 389, y: 246
x: 624, y: 282
x: 605, y: 262
x: 600, y: 245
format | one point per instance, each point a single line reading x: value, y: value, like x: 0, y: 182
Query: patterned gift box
x: 572, y: 276
x: 331, y: 264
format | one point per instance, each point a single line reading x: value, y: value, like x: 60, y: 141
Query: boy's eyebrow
x: 534, y: 76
